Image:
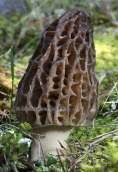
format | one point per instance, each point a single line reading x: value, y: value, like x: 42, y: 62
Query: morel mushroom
x: 60, y: 75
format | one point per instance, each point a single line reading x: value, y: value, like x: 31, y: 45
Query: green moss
x: 86, y: 133
x: 25, y: 126
x: 106, y: 51
x: 9, y: 140
x: 111, y: 165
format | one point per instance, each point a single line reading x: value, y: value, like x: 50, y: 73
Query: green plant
x: 51, y: 164
x: 10, y: 51
x: 12, y: 75
x: 13, y: 146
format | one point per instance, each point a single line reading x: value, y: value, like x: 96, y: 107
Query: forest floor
x: 93, y: 148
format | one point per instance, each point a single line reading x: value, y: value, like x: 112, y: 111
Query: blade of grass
x: 108, y: 96
x: 5, y: 53
x: 12, y: 75
x: 116, y: 88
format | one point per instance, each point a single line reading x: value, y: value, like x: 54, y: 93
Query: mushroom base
x: 48, y: 139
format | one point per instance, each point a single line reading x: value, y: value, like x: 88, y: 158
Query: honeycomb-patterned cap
x: 60, y: 85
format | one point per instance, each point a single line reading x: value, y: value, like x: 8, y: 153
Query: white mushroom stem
x: 50, y: 142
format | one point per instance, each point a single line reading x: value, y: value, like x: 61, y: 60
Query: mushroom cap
x: 60, y: 85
